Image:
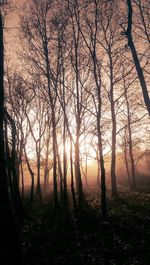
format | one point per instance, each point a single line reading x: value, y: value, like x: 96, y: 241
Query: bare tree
x: 91, y: 40
x: 40, y: 51
x: 136, y: 60
x: 20, y: 94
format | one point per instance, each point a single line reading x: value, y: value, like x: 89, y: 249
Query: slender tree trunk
x: 64, y: 160
x: 97, y: 76
x: 76, y: 36
x: 22, y: 180
x: 8, y: 162
x: 54, y: 136
x: 54, y: 160
x: 102, y: 167
x: 60, y: 172
x: 64, y: 131
x: 126, y: 161
x: 86, y: 162
x: 32, y: 176
x: 113, y: 159
x: 103, y: 186
x: 46, y: 168
x: 38, y: 188
x: 77, y: 169
x: 38, y: 153
x: 98, y: 168
x: 72, y: 177
x: 86, y: 171
x: 136, y: 59
x: 20, y: 170
x: 133, y: 177
x: 113, y: 118
x: 78, y: 124
x: 38, y: 174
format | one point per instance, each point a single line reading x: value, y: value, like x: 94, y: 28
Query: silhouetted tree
x: 10, y: 248
x: 136, y: 60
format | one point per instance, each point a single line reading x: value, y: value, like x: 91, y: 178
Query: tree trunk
x: 54, y: 160
x: 32, y: 176
x: 22, y: 180
x: 64, y: 160
x: 60, y: 172
x: 98, y: 168
x: 97, y: 76
x: 46, y: 167
x: 78, y: 170
x: 38, y: 153
x: 113, y: 160
x: 9, y: 242
x: 113, y: 118
x: 72, y: 177
x: 136, y: 59
x: 52, y: 103
x: 133, y: 178
x: 17, y: 197
x: 126, y: 161
x: 101, y: 167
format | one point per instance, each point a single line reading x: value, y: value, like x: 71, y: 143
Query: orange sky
x: 11, y: 31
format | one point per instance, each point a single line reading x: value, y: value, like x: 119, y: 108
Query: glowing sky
x: 11, y: 31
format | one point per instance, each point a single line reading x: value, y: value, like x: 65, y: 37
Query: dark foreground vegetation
x: 64, y: 236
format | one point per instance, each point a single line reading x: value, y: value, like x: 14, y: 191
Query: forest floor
x: 64, y: 237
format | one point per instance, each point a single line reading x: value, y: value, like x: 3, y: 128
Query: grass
x: 61, y: 236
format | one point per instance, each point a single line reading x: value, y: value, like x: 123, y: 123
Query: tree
x: 111, y: 43
x: 36, y: 26
x: 20, y: 95
x: 91, y: 39
x: 10, y: 247
x: 131, y: 175
x: 136, y: 60
x: 75, y: 61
